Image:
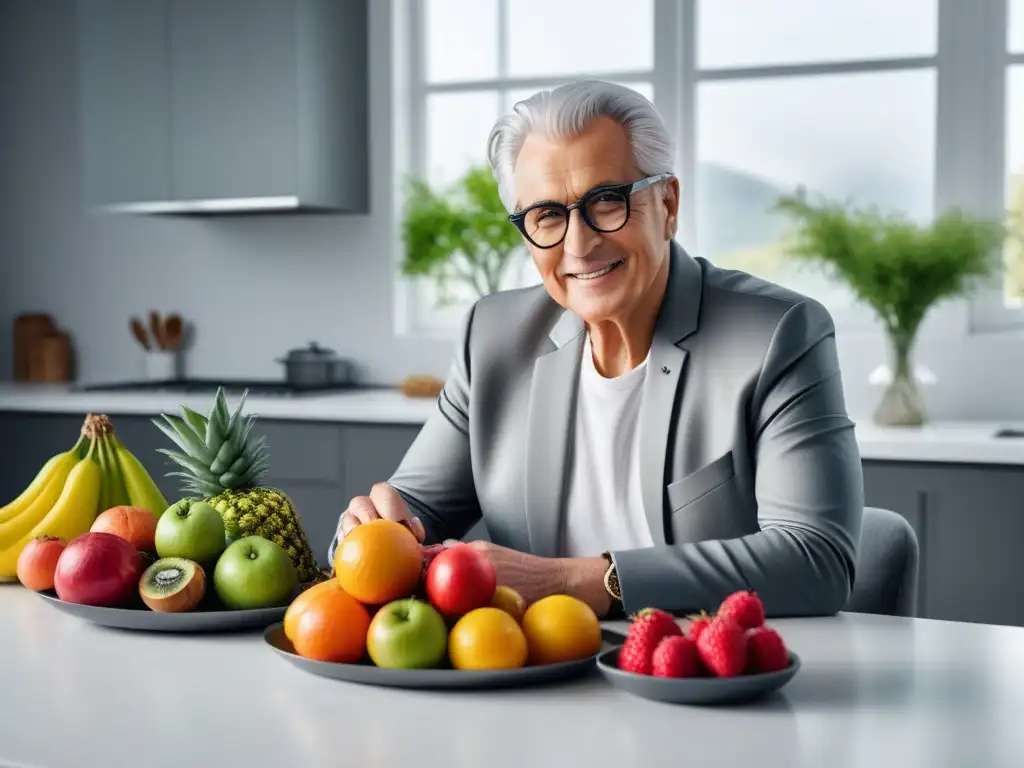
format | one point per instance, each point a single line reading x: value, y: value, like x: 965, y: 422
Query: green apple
x: 407, y: 634
x: 190, y: 529
x: 255, y: 572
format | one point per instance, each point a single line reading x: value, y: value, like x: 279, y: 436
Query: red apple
x: 98, y: 569
x: 459, y: 580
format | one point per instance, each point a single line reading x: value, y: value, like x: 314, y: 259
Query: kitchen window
x: 895, y: 104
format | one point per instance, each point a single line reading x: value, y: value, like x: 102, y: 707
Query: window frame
x: 970, y: 65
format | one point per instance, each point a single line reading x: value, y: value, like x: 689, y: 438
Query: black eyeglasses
x: 604, y: 209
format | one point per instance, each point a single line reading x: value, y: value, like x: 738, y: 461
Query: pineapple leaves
x: 201, y: 472
x: 227, y: 454
x: 196, y: 487
x: 231, y: 480
x: 233, y: 421
x: 195, y: 420
x: 182, y: 436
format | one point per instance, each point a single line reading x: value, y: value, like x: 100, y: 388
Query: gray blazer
x: 750, y: 471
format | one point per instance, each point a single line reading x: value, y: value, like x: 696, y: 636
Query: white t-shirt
x: 604, y: 508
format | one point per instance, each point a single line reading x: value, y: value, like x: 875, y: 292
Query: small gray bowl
x: 695, y: 690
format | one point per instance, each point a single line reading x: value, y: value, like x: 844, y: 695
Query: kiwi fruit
x: 172, y: 585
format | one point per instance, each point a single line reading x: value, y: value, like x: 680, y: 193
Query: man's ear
x: 671, y: 200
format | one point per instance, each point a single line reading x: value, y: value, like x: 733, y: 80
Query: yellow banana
x: 118, y: 493
x: 102, y: 457
x: 142, y: 491
x: 54, y: 466
x: 71, y: 516
x: 14, y: 529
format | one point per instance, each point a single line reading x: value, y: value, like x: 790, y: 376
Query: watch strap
x: 611, y: 586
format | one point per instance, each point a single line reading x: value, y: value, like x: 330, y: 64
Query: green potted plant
x: 900, y: 269
x: 459, y: 235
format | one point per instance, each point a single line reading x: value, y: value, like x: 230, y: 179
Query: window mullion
x: 502, y: 52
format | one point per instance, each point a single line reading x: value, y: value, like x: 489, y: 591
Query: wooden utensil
x: 156, y: 329
x: 139, y: 332
x: 29, y: 331
x: 54, y: 358
x: 173, y: 327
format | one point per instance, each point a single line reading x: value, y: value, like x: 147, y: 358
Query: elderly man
x: 645, y: 429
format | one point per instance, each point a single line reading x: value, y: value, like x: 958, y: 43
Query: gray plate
x: 138, y: 617
x: 695, y: 690
x: 366, y: 673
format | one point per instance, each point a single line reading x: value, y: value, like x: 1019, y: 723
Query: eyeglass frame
x: 626, y: 190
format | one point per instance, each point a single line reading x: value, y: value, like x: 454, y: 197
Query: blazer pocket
x: 700, y: 483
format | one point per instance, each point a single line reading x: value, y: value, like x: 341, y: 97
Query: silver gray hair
x: 564, y: 112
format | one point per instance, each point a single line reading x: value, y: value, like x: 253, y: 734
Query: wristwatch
x: 611, y: 586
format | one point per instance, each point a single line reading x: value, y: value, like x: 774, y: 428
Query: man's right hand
x: 382, y: 503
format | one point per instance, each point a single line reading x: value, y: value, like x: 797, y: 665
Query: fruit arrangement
x: 129, y: 556
x: 222, y: 462
x: 397, y: 605
x: 733, y: 641
x: 71, y: 489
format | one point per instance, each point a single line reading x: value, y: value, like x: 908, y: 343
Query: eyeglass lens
x: 605, y: 212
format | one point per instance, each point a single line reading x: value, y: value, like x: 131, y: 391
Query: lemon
x: 487, y: 638
x: 561, y: 628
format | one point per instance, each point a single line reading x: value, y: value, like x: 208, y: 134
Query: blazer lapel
x: 677, y: 319
x: 549, y: 432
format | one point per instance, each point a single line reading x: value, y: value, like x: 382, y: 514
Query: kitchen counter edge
x: 967, y: 442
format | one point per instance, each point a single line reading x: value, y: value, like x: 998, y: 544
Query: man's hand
x: 383, y: 502
x: 535, y: 577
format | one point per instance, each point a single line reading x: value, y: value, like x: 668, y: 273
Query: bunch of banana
x: 125, y: 480
x: 71, y: 489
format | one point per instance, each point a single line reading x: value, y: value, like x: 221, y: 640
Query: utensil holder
x: 162, y: 365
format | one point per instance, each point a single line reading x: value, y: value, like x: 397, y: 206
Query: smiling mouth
x: 597, y: 273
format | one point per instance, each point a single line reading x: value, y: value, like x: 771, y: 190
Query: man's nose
x: 580, y: 239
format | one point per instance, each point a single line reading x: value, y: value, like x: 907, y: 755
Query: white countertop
x: 958, y: 442
x: 873, y: 691
x: 385, y: 406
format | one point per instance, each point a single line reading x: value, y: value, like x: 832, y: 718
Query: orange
x: 378, y: 562
x: 561, y: 628
x: 331, y: 625
x: 487, y: 638
x: 302, y: 601
x: 510, y: 601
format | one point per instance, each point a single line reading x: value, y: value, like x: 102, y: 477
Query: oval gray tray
x: 695, y: 690
x: 366, y: 673
x: 209, y: 618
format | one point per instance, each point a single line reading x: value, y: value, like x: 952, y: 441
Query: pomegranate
x: 38, y: 562
x: 99, y: 569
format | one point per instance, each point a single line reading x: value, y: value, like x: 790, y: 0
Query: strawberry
x: 697, y: 625
x: 744, y: 607
x: 648, y: 629
x: 766, y: 652
x: 723, y: 647
x: 676, y: 656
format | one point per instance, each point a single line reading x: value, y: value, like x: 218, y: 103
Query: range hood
x: 217, y: 108
x: 226, y: 205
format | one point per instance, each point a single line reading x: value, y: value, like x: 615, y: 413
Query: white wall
x: 257, y: 286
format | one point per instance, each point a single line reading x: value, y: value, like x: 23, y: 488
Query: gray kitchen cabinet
x: 372, y: 452
x: 969, y: 523
x: 124, y: 111
x: 244, y: 105
x: 973, y: 533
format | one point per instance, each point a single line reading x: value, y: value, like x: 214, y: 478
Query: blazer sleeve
x: 435, y: 476
x: 809, y: 488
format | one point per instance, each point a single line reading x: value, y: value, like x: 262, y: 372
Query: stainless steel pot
x: 314, y: 366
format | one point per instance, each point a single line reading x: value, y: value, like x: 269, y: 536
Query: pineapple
x: 223, y: 465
